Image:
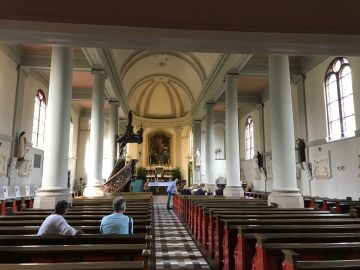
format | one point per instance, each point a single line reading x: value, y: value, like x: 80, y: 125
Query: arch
x: 38, y: 129
x: 339, y: 99
x: 249, y: 138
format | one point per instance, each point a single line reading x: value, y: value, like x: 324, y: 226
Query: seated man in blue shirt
x: 117, y: 223
x: 170, y: 191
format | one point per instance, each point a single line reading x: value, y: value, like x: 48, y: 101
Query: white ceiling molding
x: 243, y: 100
x: 43, y: 61
x: 171, y: 79
x: 143, y: 99
x: 102, y: 58
x: 40, y: 77
x: 161, y: 123
x: 186, y: 57
x: 85, y: 35
x: 14, y: 52
x: 309, y: 62
x: 214, y: 86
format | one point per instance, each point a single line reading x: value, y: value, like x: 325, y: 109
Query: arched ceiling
x: 163, y: 85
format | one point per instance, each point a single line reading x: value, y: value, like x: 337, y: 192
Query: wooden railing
x: 120, y: 176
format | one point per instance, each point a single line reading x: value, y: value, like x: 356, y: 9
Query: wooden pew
x: 217, y: 250
x: 136, y: 238
x: 18, y: 230
x: 269, y: 256
x: 35, y: 212
x: 208, y: 220
x: 119, y: 265
x: 293, y: 262
x: 70, y: 217
x: 73, y: 253
x: 239, y: 240
x: 72, y: 222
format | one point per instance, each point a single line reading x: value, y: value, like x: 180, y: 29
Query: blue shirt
x: 171, y: 188
x: 116, y: 224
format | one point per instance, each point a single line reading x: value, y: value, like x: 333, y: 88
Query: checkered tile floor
x: 174, y: 248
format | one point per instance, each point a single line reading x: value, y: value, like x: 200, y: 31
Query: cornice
x: 309, y: 62
x: 14, y: 52
x: 214, y: 86
x: 162, y: 123
x: 40, y: 76
x: 43, y: 61
x: 171, y: 78
x: 186, y: 57
x: 103, y: 59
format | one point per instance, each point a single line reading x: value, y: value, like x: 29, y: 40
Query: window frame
x: 41, y: 104
x: 338, y: 76
x: 249, y: 148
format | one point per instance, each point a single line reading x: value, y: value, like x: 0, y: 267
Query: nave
x: 174, y: 247
x: 200, y: 232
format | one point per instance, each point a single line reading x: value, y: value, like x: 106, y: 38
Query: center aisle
x: 174, y: 247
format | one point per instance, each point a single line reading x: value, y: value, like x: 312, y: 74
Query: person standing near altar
x: 170, y: 191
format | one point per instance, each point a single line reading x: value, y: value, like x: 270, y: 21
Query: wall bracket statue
x: 119, y: 179
x: 129, y: 136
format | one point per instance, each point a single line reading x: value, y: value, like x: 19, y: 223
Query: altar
x: 158, y: 187
x: 159, y: 184
x: 158, y: 172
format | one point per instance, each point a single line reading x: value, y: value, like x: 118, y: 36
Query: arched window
x: 39, y: 120
x: 249, y: 138
x: 339, y: 100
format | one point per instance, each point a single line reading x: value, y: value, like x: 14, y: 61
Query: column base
x: 46, y: 198
x: 93, y: 191
x: 286, y: 199
x: 233, y: 191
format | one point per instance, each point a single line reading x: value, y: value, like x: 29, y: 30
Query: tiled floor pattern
x: 174, y: 248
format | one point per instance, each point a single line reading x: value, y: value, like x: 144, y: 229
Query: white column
x: 197, y: 146
x: 54, y: 182
x: 285, y: 192
x: 209, y: 145
x: 232, y: 138
x: 178, y: 152
x: 94, y: 186
x: 113, y: 131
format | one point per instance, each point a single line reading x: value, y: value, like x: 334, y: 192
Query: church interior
x: 260, y: 109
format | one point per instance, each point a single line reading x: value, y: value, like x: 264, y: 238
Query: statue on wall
x: 197, y: 158
x: 129, y: 136
x: 259, y: 160
x: 21, y: 147
x: 300, y: 147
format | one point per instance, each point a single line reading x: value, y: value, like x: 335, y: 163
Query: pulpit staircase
x: 120, y: 176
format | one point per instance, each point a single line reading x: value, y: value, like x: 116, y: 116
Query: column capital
x: 23, y: 69
x: 197, y: 121
x: 178, y: 129
x: 210, y: 103
x: 232, y: 75
x: 113, y: 102
x: 98, y: 71
x: 259, y: 106
x: 296, y: 78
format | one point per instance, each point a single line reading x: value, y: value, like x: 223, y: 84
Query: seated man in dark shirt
x: 200, y: 191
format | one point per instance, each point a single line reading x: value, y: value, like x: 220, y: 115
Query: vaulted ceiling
x: 163, y: 85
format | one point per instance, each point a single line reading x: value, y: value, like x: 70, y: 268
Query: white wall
x: 220, y: 161
x: 343, y: 182
x: 8, y: 77
x: 82, y: 148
